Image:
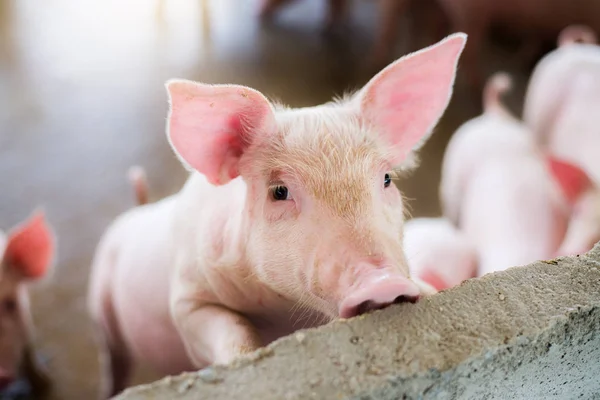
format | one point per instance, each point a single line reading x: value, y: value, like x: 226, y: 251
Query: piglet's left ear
x: 30, y: 247
x: 404, y: 101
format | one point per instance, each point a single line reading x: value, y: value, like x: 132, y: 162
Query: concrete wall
x: 530, y: 332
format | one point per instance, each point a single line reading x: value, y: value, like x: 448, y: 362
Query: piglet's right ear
x: 210, y: 126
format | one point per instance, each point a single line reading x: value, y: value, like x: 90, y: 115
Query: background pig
x: 26, y: 254
x: 494, y: 133
x: 513, y: 211
x: 561, y: 109
x: 289, y: 219
x: 515, y: 206
x: 438, y: 253
x: 562, y: 100
x: 576, y: 34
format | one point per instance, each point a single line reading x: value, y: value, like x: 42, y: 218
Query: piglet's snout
x: 378, y: 291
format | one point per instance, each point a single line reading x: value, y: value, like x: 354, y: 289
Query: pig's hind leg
x: 115, y: 362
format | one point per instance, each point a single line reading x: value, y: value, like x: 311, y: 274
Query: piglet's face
x: 25, y: 254
x: 325, y: 218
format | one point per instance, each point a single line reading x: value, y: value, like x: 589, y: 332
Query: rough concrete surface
x: 530, y: 332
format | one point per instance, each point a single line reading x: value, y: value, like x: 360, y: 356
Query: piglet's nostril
x: 406, y: 299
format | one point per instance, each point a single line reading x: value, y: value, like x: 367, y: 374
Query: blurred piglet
x: 514, y: 201
x: 288, y: 220
x: 495, y: 133
x: 561, y: 108
x: 563, y: 98
x: 438, y: 253
x: 26, y: 254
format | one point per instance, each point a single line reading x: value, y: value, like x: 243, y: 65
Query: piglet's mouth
x: 369, y: 305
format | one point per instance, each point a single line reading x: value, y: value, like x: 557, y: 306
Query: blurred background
x: 82, y: 98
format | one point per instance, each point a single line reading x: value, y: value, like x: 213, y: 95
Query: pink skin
x: 561, y: 110
x: 510, y: 198
x: 494, y: 133
x: 511, y: 201
x: 514, y: 211
x: 26, y: 254
x: 561, y: 104
x: 438, y: 253
x: 577, y: 34
x: 232, y: 261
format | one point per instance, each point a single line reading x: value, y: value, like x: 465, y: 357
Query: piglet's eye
x: 280, y: 193
x: 387, y: 180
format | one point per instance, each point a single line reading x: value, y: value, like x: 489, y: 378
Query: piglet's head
x: 325, y: 220
x: 26, y: 253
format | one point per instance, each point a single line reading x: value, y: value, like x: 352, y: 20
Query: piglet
x: 438, y: 253
x: 26, y: 254
x: 513, y: 211
x: 494, y: 133
x: 288, y: 220
x: 562, y: 100
x: 560, y: 108
x: 515, y: 206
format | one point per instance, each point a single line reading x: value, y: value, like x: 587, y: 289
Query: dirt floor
x: 82, y: 98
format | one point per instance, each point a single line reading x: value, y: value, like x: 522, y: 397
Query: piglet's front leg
x: 213, y: 334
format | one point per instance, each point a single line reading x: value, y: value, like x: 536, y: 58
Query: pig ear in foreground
x: 404, y: 101
x: 210, y: 126
x: 30, y: 247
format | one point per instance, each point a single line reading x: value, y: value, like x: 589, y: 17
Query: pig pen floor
x: 82, y: 99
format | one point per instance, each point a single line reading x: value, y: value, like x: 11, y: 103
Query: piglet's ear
x: 404, y: 101
x: 30, y: 247
x: 210, y: 126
